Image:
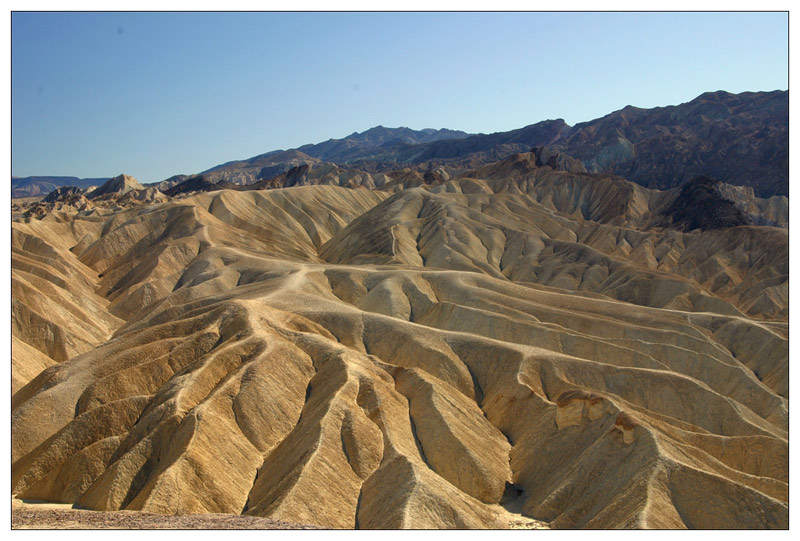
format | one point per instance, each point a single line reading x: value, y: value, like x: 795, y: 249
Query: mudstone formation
x: 523, y: 342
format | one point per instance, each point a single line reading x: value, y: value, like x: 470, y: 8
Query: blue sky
x: 158, y: 94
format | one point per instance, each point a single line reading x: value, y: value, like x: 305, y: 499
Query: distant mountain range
x: 364, y: 149
x: 33, y: 186
x: 376, y: 142
x: 740, y: 139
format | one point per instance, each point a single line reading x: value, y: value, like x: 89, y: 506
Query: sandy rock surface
x: 44, y: 516
x: 521, y: 347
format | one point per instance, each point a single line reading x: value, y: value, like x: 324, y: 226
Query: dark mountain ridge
x: 376, y: 141
x: 741, y: 139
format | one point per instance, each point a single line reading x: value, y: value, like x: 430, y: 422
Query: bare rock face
x: 196, y: 183
x: 700, y: 204
x: 56, y: 313
x: 738, y: 138
x: 546, y: 156
x: 63, y: 193
x: 119, y: 185
x: 519, y: 343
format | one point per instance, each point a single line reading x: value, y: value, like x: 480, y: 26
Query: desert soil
x: 31, y: 515
x: 36, y: 515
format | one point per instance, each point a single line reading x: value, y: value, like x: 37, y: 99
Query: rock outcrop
x: 116, y: 186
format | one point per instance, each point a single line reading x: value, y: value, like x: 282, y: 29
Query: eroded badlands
x: 527, y: 344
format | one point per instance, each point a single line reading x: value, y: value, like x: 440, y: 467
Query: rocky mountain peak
x: 121, y: 184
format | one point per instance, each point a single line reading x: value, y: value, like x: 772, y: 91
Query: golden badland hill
x: 516, y: 341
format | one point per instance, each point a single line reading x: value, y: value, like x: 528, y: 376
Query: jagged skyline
x: 157, y: 94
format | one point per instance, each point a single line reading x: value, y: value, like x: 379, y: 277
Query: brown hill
x: 116, y: 186
x: 523, y: 343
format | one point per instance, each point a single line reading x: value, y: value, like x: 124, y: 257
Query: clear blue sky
x: 158, y: 94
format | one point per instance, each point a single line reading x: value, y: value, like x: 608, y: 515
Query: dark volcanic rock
x: 62, y: 193
x: 701, y: 205
x: 557, y: 161
x: 296, y: 176
x: 198, y: 183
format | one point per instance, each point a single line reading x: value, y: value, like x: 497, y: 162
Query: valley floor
x: 36, y: 515
x: 33, y: 515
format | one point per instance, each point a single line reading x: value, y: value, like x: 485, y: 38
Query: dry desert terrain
x: 513, y: 346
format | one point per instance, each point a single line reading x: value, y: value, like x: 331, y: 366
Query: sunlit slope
x: 428, y: 359
x: 55, y: 312
x: 559, y: 241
